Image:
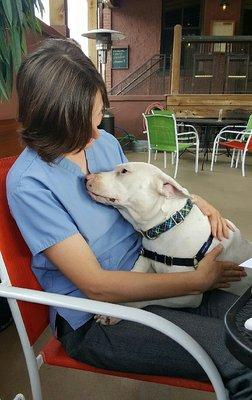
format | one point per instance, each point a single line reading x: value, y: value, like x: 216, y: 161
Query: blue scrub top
x: 49, y: 203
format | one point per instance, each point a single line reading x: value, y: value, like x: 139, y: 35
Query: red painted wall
x: 213, y: 11
x: 128, y: 110
x: 140, y: 21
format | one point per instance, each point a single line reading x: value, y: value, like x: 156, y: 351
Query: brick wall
x: 107, y: 17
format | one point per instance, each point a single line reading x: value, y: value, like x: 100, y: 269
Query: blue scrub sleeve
x: 41, y: 218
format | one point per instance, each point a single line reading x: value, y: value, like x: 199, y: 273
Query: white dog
x: 152, y: 202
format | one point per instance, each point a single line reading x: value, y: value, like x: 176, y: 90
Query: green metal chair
x: 186, y: 133
x: 162, y: 112
x: 163, y: 136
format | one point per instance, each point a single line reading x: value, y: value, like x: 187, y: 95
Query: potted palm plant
x: 127, y: 140
x: 16, y: 17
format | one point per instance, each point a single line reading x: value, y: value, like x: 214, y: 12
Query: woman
x: 85, y: 249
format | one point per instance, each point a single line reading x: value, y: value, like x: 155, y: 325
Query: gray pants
x: 131, y: 347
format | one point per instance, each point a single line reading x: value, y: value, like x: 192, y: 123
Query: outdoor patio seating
x: 187, y: 133
x: 31, y: 313
x: 163, y: 135
x: 149, y: 109
x: 236, y: 139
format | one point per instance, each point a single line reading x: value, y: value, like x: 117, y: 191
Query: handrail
x: 139, y: 76
x: 218, y: 39
x: 154, y: 60
x: 139, y: 68
x: 139, y: 82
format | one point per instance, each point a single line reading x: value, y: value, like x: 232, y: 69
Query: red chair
x: 30, y: 313
x: 242, y: 143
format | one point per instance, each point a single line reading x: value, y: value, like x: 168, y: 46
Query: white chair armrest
x: 221, y: 134
x: 187, y: 133
x: 232, y: 127
x: 193, y: 133
x: 129, y: 313
x: 247, y: 133
x: 191, y: 127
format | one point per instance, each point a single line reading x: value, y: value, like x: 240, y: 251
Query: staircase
x: 150, y: 78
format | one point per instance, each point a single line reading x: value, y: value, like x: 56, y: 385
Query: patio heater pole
x: 104, y: 38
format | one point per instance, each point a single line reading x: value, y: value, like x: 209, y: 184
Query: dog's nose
x: 89, y: 179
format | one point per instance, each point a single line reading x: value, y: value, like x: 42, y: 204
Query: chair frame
x: 96, y: 307
x: 179, y: 136
x: 240, y: 136
x: 156, y: 105
x: 14, y: 256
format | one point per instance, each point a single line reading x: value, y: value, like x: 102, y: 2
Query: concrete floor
x: 231, y: 194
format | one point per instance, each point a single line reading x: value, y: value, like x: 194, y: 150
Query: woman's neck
x: 79, y: 159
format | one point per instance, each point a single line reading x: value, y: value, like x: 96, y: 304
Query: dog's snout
x: 89, y: 177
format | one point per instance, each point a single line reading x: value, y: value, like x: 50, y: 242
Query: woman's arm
x: 219, y: 225
x: 76, y: 260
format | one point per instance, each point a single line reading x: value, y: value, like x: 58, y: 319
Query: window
x: 246, y: 26
x: 179, y: 12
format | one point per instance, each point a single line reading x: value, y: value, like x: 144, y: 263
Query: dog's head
x: 137, y: 189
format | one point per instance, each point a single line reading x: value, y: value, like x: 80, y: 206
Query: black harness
x: 186, y: 262
x: 177, y: 218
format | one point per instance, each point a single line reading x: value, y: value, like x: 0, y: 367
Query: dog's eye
x: 123, y: 171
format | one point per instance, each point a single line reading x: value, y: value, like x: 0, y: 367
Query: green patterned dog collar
x: 174, y: 220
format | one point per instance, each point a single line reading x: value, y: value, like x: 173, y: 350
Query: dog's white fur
x: 146, y: 196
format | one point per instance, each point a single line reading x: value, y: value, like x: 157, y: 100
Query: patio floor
x: 231, y: 194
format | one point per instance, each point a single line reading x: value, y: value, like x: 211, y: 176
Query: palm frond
x: 16, y: 16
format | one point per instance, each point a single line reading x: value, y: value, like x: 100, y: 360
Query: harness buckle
x: 168, y: 258
x: 148, y: 236
x: 180, y: 218
x: 195, y: 263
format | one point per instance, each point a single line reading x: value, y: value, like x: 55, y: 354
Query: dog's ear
x: 168, y: 187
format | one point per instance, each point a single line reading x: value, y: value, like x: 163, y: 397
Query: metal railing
x: 216, y: 64
x: 152, y: 75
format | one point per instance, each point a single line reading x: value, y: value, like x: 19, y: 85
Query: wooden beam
x: 58, y: 16
x: 92, y: 24
x: 210, y: 105
x: 176, y: 55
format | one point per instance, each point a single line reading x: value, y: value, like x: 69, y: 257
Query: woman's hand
x: 219, y: 225
x: 217, y: 274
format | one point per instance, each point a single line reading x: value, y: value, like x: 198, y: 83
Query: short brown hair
x: 56, y: 86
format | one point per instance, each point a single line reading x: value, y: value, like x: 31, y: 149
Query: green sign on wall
x: 120, y: 57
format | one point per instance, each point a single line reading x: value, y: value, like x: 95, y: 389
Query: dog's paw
x: 105, y: 320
